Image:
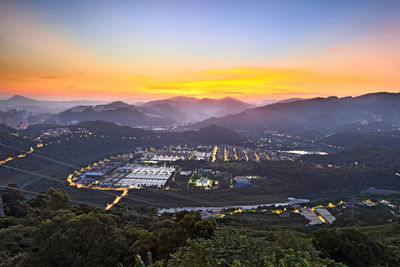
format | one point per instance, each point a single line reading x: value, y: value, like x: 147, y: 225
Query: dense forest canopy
x: 49, y: 230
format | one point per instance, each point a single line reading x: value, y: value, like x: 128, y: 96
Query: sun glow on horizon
x: 47, y: 54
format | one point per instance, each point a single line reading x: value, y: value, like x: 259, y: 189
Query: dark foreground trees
x: 52, y: 232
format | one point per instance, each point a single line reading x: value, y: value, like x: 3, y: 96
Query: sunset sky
x: 251, y: 50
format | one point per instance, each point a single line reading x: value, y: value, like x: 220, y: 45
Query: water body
x: 292, y: 201
x: 303, y: 152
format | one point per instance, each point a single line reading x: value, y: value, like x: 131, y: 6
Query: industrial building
x: 325, y: 214
x: 311, y: 216
x: 167, y: 157
x: 140, y: 176
x: 241, y: 181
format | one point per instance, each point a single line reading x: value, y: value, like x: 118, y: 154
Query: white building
x: 141, y: 176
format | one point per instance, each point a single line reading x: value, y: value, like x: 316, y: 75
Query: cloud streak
x: 139, y: 79
x: 250, y: 81
x: 51, y: 77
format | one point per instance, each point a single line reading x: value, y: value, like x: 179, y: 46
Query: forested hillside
x: 49, y: 230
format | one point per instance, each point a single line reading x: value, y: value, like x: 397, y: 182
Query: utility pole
x: 1, y: 208
x: 352, y: 208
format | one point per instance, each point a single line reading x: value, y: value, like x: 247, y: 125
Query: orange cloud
x: 51, y: 77
x: 248, y: 82
x: 138, y: 79
x: 365, y: 65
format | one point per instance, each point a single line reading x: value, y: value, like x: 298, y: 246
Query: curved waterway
x: 303, y: 152
x: 292, y: 201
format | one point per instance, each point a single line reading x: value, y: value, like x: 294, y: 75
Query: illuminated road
x: 257, y: 157
x: 225, y: 155
x: 124, y: 193
x: 71, y: 177
x: 214, y: 152
x: 234, y: 152
x: 245, y: 154
x: 31, y: 150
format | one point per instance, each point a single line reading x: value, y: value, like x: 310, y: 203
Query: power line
x: 75, y: 167
x: 23, y: 190
x: 41, y: 156
x: 37, y: 193
x: 139, y: 199
x: 32, y: 173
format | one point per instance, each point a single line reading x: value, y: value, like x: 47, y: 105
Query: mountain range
x: 324, y: 115
x: 319, y: 115
x: 210, y: 135
x: 41, y: 106
x: 190, y: 109
x: 117, y: 112
x: 177, y: 110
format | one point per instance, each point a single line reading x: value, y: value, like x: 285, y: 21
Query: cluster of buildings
x: 317, y: 215
x: 211, y: 153
x: 118, y: 172
x: 171, y: 154
x: 240, y: 181
x: 167, y: 157
x: 94, y: 174
x: 60, y: 131
x: 210, y: 179
x: 142, y: 176
x: 56, y: 132
x: 321, y: 214
x: 238, y: 153
x: 20, y: 119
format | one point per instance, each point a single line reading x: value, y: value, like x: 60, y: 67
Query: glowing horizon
x: 101, y: 50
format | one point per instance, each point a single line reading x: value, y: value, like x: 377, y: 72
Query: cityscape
x: 199, y: 133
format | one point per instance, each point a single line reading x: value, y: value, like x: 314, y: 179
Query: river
x: 291, y: 201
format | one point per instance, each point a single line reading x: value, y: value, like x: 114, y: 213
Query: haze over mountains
x: 319, y: 115
x: 323, y: 115
x: 177, y: 110
x: 40, y: 106
x: 159, y: 112
x: 189, y: 109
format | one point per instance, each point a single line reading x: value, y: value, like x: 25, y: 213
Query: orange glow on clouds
x: 52, y: 64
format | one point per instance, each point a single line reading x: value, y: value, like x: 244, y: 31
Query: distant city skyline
x: 249, y: 50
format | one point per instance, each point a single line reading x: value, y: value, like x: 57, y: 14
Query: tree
x: 85, y: 240
x: 353, y: 248
x: 13, y: 202
x: 58, y: 200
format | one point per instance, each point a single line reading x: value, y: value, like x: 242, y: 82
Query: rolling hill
x: 117, y: 112
x: 189, y: 109
x: 324, y: 115
x: 165, y: 112
x: 40, y: 106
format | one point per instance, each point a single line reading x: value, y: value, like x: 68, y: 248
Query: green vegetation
x: 369, y: 139
x: 376, y: 167
x: 55, y: 229
x: 48, y: 231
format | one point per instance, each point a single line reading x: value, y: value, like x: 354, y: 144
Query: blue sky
x: 165, y: 38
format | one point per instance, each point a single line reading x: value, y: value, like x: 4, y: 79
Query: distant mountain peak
x: 20, y: 98
x: 183, y: 99
x: 233, y: 100
x: 117, y: 104
x: 290, y: 100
